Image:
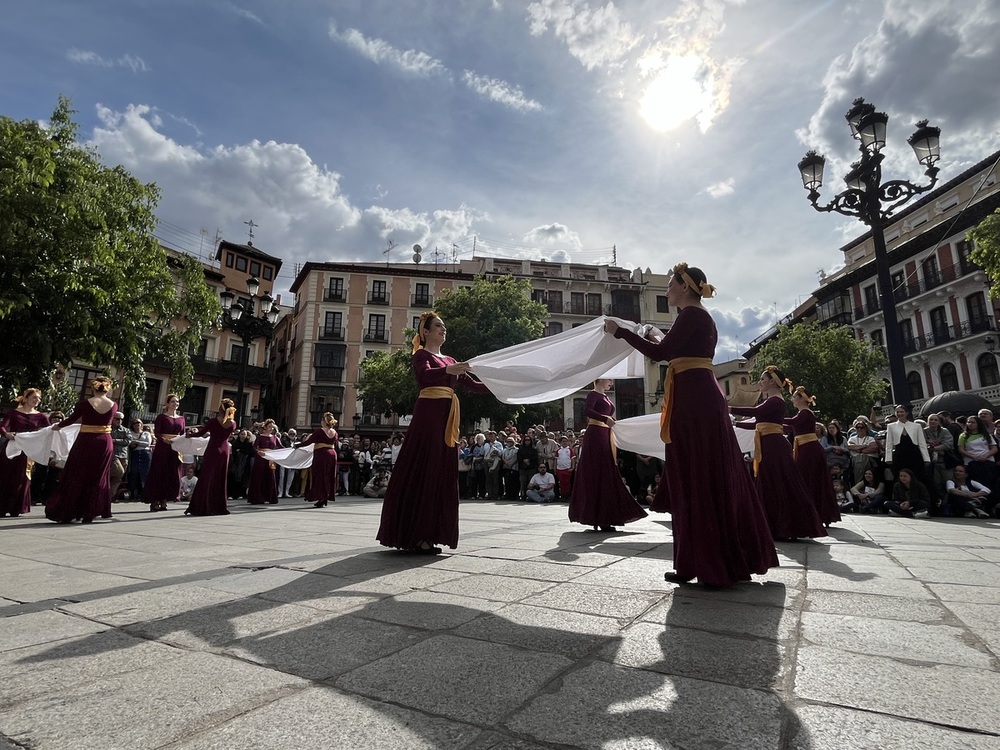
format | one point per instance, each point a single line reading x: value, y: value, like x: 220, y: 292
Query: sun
x: 679, y: 93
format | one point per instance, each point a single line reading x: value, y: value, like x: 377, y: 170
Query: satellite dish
x: 416, y: 256
x: 417, y: 249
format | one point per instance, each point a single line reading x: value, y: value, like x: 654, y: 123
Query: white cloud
x: 555, y: 235
x: 720, y: 189
x: 738, y: 329
x: 243, y: 13
x: 500, y: 91
x: 381, y: 52
x: 87, y: 57
x: 596, y: 38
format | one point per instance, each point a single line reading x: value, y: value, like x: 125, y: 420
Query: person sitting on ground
x: 869, y: 493
x: 541, y: 486
x: 910, y: 497
x: 845, y: 500
x: 188, y: 483
x: 377, y: 485
x: 966, y: 495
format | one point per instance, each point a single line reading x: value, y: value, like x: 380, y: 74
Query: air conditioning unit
x: 369, y: 337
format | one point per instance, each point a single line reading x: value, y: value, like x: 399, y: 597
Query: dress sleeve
x: 745, y: 411
x: 5, y: 423
x: 655, y: 350
x: 76, y: 416
x: 472, y: 385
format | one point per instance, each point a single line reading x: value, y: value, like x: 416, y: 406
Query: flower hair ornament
x: 704, y: 289
x: 801, y: 390
x: 772, y: 372
x: 418, y: 340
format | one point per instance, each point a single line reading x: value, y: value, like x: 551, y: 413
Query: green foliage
x: 83, y: 277
x: 487, y: 316
x: 840, y: 370
x: 986, y: 253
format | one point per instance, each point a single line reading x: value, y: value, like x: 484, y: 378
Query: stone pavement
x: 288, y: 627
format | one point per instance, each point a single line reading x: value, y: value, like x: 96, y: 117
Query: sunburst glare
x: 681, y: 91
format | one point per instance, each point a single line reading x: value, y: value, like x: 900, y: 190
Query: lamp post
x: 873, y: 201
x: 242, y: 318
x: 357, y: 421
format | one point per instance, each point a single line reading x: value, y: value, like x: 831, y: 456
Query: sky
x: 644, y: 131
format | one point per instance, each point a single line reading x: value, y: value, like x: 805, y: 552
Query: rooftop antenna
x: 251, y: 225
x: 387, y: 251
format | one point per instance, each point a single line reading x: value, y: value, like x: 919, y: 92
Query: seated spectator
x: 835, y: 446
x: 378, y: 484
x: 188, y: 483
x: 910, y: 497
x: 844, y: 498
x: 869, y: 493
x: 540, y: 487
x: 965, y: 495
x: 863, y: 448
x: 978, y: 449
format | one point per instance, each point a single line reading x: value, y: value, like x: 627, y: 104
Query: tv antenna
x: 387, y: 251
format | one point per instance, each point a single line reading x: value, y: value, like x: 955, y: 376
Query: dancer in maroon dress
x: 810, y: 457
x: 790, y: 512
x: 84, y: 489
x: 600, y: 497
x: 163, y: 484
x: 324, y: 466
x: 263, y: 480
x: 720, y: 533
x: 209, y: 498
x: 15, y: 476
x: 420, y: 508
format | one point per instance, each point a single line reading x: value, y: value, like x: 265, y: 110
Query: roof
x: 404, y: 269
x: 249, y: 250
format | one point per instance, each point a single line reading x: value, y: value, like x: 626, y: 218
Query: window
x: 538, y: 295
x: 554, y: 301
x: 896, y: 281
x: 661, y: 303
x: 552, y: 329
x: 151, y: 395
x: 201, y: 351
x: 976, y: 305
x: 871, y: 299
x: 877, y: 338
x: 268, y: 273
x: 376, y: 328
x: 625, y: 304
x: 328, y: 359
x: 915, y: 385
x: 577, y: 306
x: 906, y: 334
x: 988, y: 372
x: 939, y: 325
x: 579, y: 413
x: 229, y: 260
x: 236, y: 352
x: 949, y: 376
x: 379, y: 293
x: 594, y: 307
x: 241, y: 263
x: 194, y: 402
x: 422, y: 295
x: 255, y: 268
x: 416, y: 322
x: 931, y: 276
x: 333, y: 326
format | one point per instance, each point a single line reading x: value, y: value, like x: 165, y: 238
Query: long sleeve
x: 76, y: 416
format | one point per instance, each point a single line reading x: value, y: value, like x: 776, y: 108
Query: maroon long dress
x: 719, y: 528
x: 790, y: 512
x: 84, y: 489
x: 811, y: 462
x: 324, y: 467
x: 15, y: 483
x: 600, y: 497
x: 209, y: 498
x: 263, y: 483
x: 163, y: 483
x: 421, y: 502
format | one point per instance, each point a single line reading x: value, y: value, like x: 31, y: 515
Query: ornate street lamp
x: 249, y: 319
x: 873, y: 202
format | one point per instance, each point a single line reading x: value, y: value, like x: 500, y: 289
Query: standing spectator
x: 119, y: 464
x: 396, y: 447
x: 209, y: 496
x: 941, y: 448
x: 910, y: 497
x: 240, y: 462
x: 986, y: 417
x: 966, y: 496
x: 834, y: 445
x: 263, y: 486
x: 479, y: 453
x: 540, y: 486
x: 363, y: 460
x: 863, y: 448
x: 139, y: 458
x: 509, y: 475
x: 285, y: 475
x: 527, y: 463
x: 905, y: 445
x: 15, y: 476
x: 493, y: 462
x: 345, y: 463
x: 565, y: 467
x: 464, y: 469
x: 949, y: 423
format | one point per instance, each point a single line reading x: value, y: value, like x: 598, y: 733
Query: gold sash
x: 678, y: 364
x: 809, y: 437
x: 324, y: 446
x: 95, y: 428
x: 599, y: 423
x: 441, y: 391
x: 764, y: 428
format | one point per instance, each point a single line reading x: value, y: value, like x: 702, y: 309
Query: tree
x: 83, y: 278
x: 487, y: 316
x: 840, y: 370
x: 986, y: 253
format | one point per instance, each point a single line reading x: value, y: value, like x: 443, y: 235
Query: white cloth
x: 556, y: 366
x: 292, y: 458
x: 45, y: 444
x: 642, y: 435
x: 189, y: 446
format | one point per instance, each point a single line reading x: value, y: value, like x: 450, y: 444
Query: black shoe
x: 608, y: 529
x: 672, y: 577
x: 319, y: 504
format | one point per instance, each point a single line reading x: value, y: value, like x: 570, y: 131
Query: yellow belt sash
x: 809, y: 437
x: 95, y: 428
x: 765, y: 428
x: 318, y: 446
x: 454, y: 414
x: 678, y: 364
x: 599, y: 423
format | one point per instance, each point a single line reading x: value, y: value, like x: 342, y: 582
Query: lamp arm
x: 849, y: 203
x: 898, y: 192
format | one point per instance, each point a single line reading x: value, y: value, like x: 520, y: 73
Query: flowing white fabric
x: 642, y: 435
x: 556, y: 366
x: 189, y: 446
x: 291, y: 458
x: 45, y: 444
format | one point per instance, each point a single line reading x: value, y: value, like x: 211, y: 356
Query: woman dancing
x: 810, y: 457
x: 790, y: 512
x: 209, y: 497
x: 600, y: 497
x: 163, y: 481
x: 84, y: 490
x: 263, y: 478
x: 15, y: 474
x: 324, y: 466
x: 720, y: 533
x: 420, y: 508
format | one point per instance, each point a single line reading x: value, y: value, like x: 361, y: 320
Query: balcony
x: 838, y: 319
x: 332, y: 333
x: 946, y: 334
x: 379, y: 337
x: 227, y: 368
x: 329, y: 374
x: 378, y: 298
x: 575, y: 309
x: 421, y: 300
x: 912, y: 289
x: 334, y: 295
